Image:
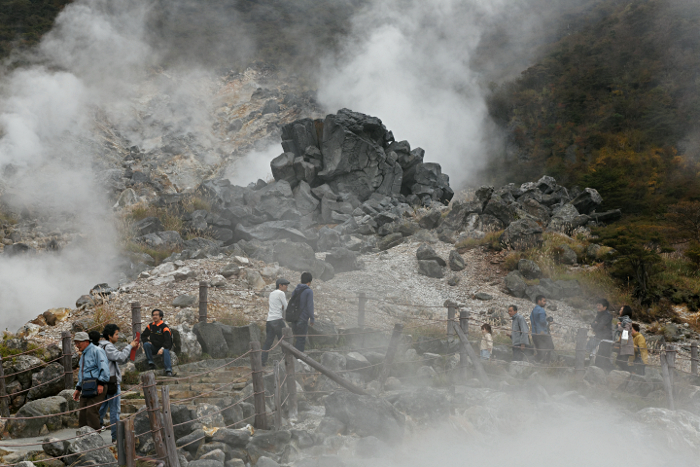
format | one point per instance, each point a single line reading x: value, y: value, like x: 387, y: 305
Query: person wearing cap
x: 275, y: 317
x: 93, y: 366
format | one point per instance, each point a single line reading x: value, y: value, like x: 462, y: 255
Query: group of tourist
x: 624, y: 336
x: 99, y: 376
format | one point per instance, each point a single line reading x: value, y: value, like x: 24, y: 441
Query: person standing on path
x: 158, y: 338
x: 115, y: 358
x: 277, y: 303
x: 519, y: 334
x: 486, y: 346
x: 306, y: 307
x: 625, y: 347
x: 93, y: 377
x: 540, y: 331
x: 641, y: 353
x: 601, y: 325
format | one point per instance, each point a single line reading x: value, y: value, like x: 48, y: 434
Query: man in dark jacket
x: 601, y: 325
x: 306, y: 305
x: 158, y: 338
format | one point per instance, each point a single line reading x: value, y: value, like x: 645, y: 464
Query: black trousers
x: 272, y: 329
x: 544, y: 345
x: 300, y: 328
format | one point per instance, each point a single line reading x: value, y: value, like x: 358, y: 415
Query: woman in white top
x: 275, y: 317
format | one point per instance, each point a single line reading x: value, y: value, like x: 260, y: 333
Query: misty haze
x: 399, y: 232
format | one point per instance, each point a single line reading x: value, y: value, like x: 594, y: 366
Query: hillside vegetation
x: 615, y: 105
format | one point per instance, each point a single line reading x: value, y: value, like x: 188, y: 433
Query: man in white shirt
x: 275, y: 317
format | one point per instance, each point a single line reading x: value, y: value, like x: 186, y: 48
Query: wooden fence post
x: 390, y: 353
x: 148, y: 380
x: 671, y: 351
x: 278, y: 398
x: 581, y: 336
x: 694, y: 358
x: 317, y: 366
x: 203, y: 288
x: 67, y: 359
x: 463, y: 354
x: 121, y: 447
x: 130, y: 442
x: 667, y: 380
x: 168, y: 430
x: 361, y: 301
x: 474, y: 357
x: 136, y: 322
x: 4, y: 403
x: 290, y: 372
x: 258, y: 386
x: 451, y: 309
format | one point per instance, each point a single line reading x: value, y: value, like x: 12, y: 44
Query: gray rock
x: 595, y: 376
x: 293, y: 255
x: 342, y: 260
x: 305, y: 201
x: 191, y: 442
x: 431, y: 269
x: 147, y: 226
x: 587, y: 201
x: 254, y: 279
x: 498, y: 208
x: 234, y: 438
x: 563, y: 219
x: 185, y: 301
x: 54, y: 447
x: 328, y: 239
x: 456, y: 261
x: 18, y: 249
x: 185, y: 342
x: 215, y: 455
x: 565, y: 255
x: 90, y: 442
x: 238, y: 338
x: 333, y: 361
x: 205, y: 463
x: 42, y: 408
x: 529, y: 269
x: 426, y: 253
x: 51, y: 372
x: 211, y: 338
x: 431, y: 220
x: 483, y: 296
x: 231, y: 269
x: 390, y: 241
x: 522, y: 234
x: 366, y: 415
x: 515, y: 284
x: 264, y: 461
x: 425, y: 405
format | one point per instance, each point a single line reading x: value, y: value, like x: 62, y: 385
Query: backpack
x: 293, y: 311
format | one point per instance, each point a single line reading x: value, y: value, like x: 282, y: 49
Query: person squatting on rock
x: 519, y: 334
x: 625, y: 347
x: 305, y: 299
x: 601, y: 325
x: 110, y: 336
x: 158, y: 338
x: 486, y: 342
x: 540, y: 331
x: 275, y: 317
x: 641, y: 353
x: 93, y: 377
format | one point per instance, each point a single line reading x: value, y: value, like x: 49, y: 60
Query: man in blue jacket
x: 540, y: 332
x: 306, y: 305
x: 93, y: 366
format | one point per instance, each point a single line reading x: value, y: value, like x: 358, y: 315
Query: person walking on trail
x: 486, y: 347
x: 540, y: 331
x: 641, y: 353
x: 623, y: 339
x: 302, y: 305
x: 93, y: 377
x: 519, y: 334
x: 277, y: 304
x: 110, y: 336
x: 601, y: 325
x: 158, y: 338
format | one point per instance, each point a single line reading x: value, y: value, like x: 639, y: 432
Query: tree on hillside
x: 685, y: 220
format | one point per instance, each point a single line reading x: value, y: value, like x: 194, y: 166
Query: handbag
x: 112, y: 386
x: 89, y: 387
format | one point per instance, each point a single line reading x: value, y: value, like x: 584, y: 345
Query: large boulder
x: 43, y: 410
x: 211, y: 338
x: 238, y: 338
x: 522, y: 234
x: 426, y: 253
x: 293, y: 255
x: 148, y: 225
x: 366, y: 415
x: 85, y: 450
x: 47, y: 382
x: 564, y: 219
x: 185, y: 342
x: 587, y: 201
x: 529, y: 269
x: 431, y: 268
x: 515, y: 284
x: 328, y: 239
x: 425, y: 405
x: 342, y: 260
x: 456, y: 261
x: 390, y: 241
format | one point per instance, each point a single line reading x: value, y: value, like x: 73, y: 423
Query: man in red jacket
x: 158, y: 338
